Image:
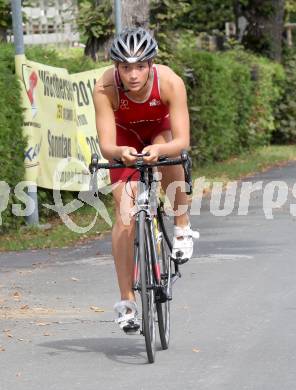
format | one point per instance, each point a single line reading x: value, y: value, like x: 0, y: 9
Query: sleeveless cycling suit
x: 138, y: 123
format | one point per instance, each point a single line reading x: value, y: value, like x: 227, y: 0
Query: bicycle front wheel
x: 163, y: 307
x: 147, y: 291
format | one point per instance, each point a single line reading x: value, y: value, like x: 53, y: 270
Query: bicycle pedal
x: 161, y: 295
x: 132, y: 332
x: 178, y: 259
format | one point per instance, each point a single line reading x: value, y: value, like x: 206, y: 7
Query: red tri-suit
x: 138, y: 123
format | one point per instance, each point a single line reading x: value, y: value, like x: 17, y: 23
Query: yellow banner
x: 59, y: 123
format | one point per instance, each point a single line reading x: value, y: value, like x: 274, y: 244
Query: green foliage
x: 71, y: 59
x: 194, y: 15
x: 208, y: 15
x: 169, y: 13
x: 286, y: 110
x: 212, y: 104
x: 290, y: 8
x: 267, y: 89
x: 5, y: 15
x: 230, y: 109
x: 12, y: 142
x: 166, y: 18
x: 170, y: 19
x: 94, y: 20
x: 95, y: 24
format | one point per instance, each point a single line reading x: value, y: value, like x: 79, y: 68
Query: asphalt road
x: 233, y: 312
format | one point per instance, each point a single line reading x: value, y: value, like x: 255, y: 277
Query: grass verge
x: 59, y: 235
x: 248, y: 163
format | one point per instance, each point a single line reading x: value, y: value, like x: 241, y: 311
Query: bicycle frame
x: 146, y: 202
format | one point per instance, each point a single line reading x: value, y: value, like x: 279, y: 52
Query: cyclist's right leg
x: 123, y: 239
x: 123, y: 250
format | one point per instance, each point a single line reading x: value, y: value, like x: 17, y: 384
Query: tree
x: 5, y: 19
x: 95, y: 22
x: 265, y: 26
x: 135, y: 13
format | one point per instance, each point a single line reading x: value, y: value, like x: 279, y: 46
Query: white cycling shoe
x: 127, y: 312
x: 183, y: 243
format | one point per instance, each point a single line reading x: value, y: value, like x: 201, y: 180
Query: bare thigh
x: 169, y: 173
x: 124, y: 195
x: 172, y: 180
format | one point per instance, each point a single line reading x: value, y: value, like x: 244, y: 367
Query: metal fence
x: 52, y: 21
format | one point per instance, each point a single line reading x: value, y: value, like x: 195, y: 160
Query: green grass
x: 59, y: 235
x: 247, y: 163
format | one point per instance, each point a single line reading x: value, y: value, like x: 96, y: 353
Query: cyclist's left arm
x: 173, y: 94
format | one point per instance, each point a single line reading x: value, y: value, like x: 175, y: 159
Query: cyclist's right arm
x: 105, y: 121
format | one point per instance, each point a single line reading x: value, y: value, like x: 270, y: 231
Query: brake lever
x: 93, y: 163
x: 93, y: 183
x: 187, y: 166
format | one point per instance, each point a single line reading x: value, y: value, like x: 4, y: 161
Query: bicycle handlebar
x: 183, y: 160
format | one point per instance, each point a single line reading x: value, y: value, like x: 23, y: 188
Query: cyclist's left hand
x: 153, y: 151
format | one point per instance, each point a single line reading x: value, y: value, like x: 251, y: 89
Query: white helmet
x: 133, y: 45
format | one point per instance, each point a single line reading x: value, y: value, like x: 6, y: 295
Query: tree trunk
x: 135, y: 13
x: 264, y: 33
x: 275, y: 29
x: 3, y: 34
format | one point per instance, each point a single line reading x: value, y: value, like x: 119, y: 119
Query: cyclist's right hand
x: 126, y: 155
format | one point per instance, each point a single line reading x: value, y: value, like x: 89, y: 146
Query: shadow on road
x: 126, y: 350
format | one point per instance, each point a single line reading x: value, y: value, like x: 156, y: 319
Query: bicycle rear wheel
x: 163, y: 308
x: 147, y: 292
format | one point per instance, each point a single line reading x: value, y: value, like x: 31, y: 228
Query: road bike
x: 155, y: 271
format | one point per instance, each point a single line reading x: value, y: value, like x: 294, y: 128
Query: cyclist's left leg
x: 172, y: 177
x: 171, y: 174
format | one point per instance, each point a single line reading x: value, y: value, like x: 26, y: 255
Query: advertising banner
x: 59, y: 123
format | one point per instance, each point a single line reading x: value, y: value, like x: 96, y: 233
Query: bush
x: 71, y: 59
x: 231, y: 99
x: 286, y: 110
x: 267, y: 89
x: 12, y: 142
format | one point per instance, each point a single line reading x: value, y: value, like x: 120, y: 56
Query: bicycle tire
x: 163, y: 308
x: 147, y: 294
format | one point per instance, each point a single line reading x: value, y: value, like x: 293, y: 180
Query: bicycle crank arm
x: 175, y: 277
